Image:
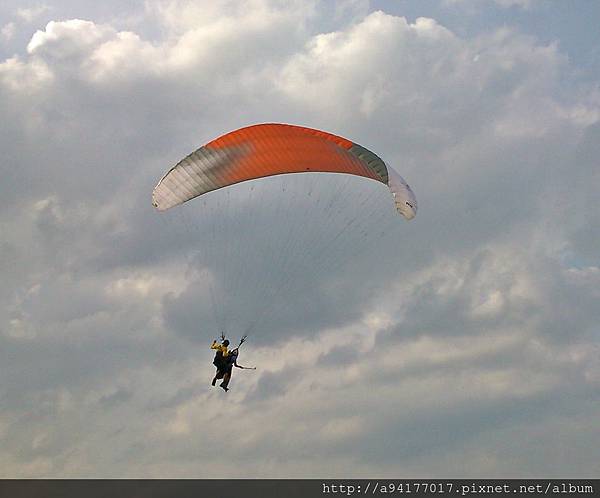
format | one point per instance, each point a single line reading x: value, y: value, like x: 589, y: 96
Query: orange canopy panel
x: 265, y: 150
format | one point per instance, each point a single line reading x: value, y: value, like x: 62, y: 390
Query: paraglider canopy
x: 273, y: 149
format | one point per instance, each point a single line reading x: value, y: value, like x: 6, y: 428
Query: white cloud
x: 8, y: 31
x: 67, y: 39
x: 20, y: 77
x: 29, y: 14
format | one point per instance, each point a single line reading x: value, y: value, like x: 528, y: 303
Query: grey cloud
x: 271, y: 385
x: 118, y: 397
x: 338, y: 357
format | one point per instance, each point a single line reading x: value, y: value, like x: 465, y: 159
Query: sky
x: 462, y: 344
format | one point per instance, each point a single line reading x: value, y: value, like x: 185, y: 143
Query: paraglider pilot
x: 225, y: 361
x: 220, y: 360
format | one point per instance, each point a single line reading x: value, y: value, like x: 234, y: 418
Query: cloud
x: 8, y: 31
x: 29, y: 14
x: 524, y: 4
x: 470, y: 331
x: 67, y: 39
